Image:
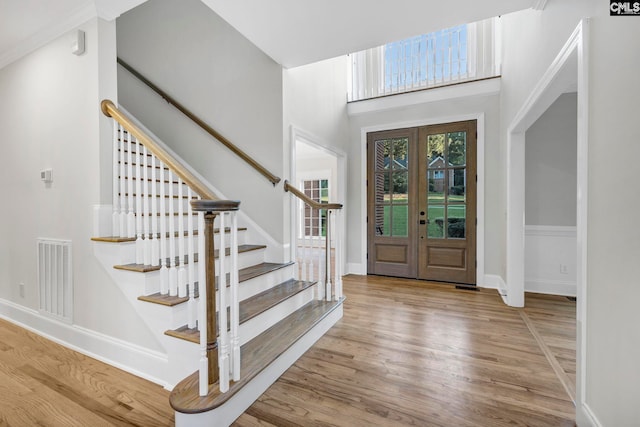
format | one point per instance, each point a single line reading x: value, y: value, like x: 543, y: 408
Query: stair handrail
x: 110, y: 110
x: 315, y: 205
x: 325, y: 290
x: 197, y: 120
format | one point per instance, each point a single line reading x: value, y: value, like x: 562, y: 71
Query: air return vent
x: 55, y: 279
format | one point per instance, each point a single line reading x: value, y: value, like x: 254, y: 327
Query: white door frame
x: 298, y: 134
x: 568, y: 71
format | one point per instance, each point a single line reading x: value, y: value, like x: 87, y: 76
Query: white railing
x: 318, y: 258
x: 157, y: 213
x: 453, y: 55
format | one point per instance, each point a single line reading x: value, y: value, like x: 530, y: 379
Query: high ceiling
x: 292, y: 32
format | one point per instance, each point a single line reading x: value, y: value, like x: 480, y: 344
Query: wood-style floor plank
x: 43, y: 383
x: 424, y: 354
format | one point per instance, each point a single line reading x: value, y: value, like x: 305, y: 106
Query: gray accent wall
x: 204, y: 63
x: 550, y: 165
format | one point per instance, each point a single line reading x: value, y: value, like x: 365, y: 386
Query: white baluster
x: 147, y: 213
x: 139, y: 208
x: 319, y: 255
x: 131, y: 217
x: 223, y: 347
x: 182, y: 272
x: 115, y: 216
x: 327, y: 264
x: 235, y: 302
x: 123, y: 196
x: 164, y: 271
x: 202, y: 311
x: 191, y: 309
x: 303, y: 252
x: 309, y: 239
x: 173, y: 271
x: 155, y: 243
x: 337, y: 232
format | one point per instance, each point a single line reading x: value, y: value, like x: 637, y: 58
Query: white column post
x: 147, y: 212
x: 182, y: 272
x: 191, y: 315
x: 122, y: 226
x: 173, y: 271
x: 155, y: 244
x: 131, y: 217
x: 223, y: 348
x: 202, y: 311
x: 115, y: 216
x: 139, y: 207
x: 164, y: 271
x: 235, y: 302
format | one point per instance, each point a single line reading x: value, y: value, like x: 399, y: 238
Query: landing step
x: 251, y: 307
x: 143, y: 268
x: 243, y: 275
x: 114, y: 239
x: 256, y: 356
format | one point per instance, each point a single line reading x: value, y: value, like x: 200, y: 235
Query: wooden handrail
x: 244, y: 156
x: 316, y: 205
x: 200, y: 188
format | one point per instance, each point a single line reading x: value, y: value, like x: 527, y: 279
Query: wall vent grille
x: 55, y: 285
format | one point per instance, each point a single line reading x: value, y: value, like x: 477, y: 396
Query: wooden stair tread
x: 142, y: 268
x: 113, y: 239
x: 252, y: 307
x: 185, y: 333
x: 243, y: 275
x: 259, y: 303
x: 256, y: 356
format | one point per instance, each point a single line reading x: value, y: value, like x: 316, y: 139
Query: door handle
x: 422, y: 222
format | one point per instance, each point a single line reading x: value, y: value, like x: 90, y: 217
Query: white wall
x: 613, y: 292
x: 50, y: 118
x: 191, y: 53
x: 550, y: 165
x: 531, y: 41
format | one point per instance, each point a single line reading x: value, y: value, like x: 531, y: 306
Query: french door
x: 422, y: 202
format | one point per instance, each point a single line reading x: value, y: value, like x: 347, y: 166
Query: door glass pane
x: 457, y: 148
x: 400, y: 187
x: 435, y: 216
x: 456, y: 217
x: 436, y: 186
x: 400, y: 220
x: 435, y: 151
x: 382, y: 156
x: 457, y: 185
x: 400, y: 153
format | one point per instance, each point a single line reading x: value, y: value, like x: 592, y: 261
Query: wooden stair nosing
x: 244, y: 274
x: 113, y: 239
x: 257, y: 354
x: 251, y: 307
x: 142, y: 268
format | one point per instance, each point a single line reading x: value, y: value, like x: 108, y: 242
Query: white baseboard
x: 493, y: 281
x: 129, y: 357
x: 585, y: 417
x: 552, y: 287
x: 356, y: 268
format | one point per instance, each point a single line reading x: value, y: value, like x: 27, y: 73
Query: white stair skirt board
x: 225, y: 414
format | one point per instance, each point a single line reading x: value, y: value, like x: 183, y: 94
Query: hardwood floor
x: 45, y: 384
x: 416, y: 353
x: 405, y: 353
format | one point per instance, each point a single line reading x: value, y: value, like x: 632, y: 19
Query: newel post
x: 211, y: 209
x: 210, y: 282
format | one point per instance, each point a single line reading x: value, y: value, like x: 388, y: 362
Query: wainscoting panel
x: 550, y: 260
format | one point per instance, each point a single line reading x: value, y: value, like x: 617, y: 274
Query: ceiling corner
x: 111, y: 9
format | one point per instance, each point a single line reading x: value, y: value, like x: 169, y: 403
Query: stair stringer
x: 228, y: 412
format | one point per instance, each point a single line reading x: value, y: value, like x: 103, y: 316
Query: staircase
x: 156, y: 259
